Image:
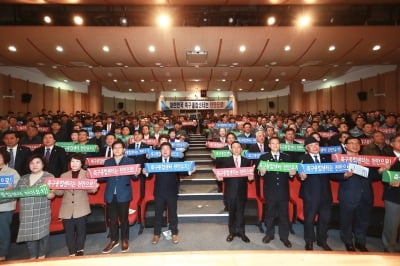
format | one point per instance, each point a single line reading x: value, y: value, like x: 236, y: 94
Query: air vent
x: 196, y: 58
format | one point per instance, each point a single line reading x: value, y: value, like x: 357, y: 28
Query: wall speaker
x: 362, y: 96
x: 26, y: 97
x: 120, y: 105
x: 203, y: 93
x: 271, y: 104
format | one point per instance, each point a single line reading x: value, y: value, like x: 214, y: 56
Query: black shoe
x: 229, y: 238
x: 267, y: 239
x: 309, y: 246
x: 79, y: 253
x: 244, y: 238
x: 361, y: 247
x: 349, y: 247
x: 324, y: 245
x: 286, y: 243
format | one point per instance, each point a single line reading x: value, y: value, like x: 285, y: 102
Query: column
x: 296, y: 97
x: 95, y: 101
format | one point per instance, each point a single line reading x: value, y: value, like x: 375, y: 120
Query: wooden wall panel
x: 353, y: 103
x: 339, y: 98
x: 370, y: 85
x: 387, y: 86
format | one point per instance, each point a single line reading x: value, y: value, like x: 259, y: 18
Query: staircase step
x: 199, y: 176
x: 197, y: 152
x: 198, y: 208
x: 198, y: 187
x: 196, y: 148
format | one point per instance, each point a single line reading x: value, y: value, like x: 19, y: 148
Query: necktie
x: 137, y: 146
x: 11, y: 163
x: 261, y: 147
x: 108, y: 153
x: 236, y: 162
x: 275, y: 157
x: 316, y: 159
x: 47, y: 155
x: 165, y: 160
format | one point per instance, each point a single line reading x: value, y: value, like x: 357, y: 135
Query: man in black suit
x: 247, y: 133
x: 236, y: 193
x: 19, y: 155
x: 290, y: 134
x: 109, y: 125
x: 355, y: 201
x: 276, y: 194
x: 316, y: 193
x: 259, y: 146
x: 55, y: 156
x: 165, y: 193
x: 106, y: 150
x: 334, y: 140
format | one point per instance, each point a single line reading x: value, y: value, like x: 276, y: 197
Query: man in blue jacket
x: 117, y: 196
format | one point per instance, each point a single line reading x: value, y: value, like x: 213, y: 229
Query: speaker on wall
x: 120, y: 105
x: 362, y: 95
x: 26, y: 97
x: 271, y: 104
x: 203, y: 93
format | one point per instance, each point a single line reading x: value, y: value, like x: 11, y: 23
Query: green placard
x: 24, y: 193
x: 292, y: 147
x: 390, y: 176
x: 277, y: 167
x: 82, y: 148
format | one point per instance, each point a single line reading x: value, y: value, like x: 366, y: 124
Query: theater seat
x: 134, y: 204
x: 252, y: 217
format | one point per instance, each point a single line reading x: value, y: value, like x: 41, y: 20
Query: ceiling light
x: 235, y: 64
x: 152, y: 49
x: 78, y: 20
x: 174, y: 89
x: 142, y: 80
x: 376, y: 47
x: 276, y: 80
x: 47, y: 19
x: 126, y: 66
x: 119, y: 64
x: 130, y: 90
x: 223, y: 80
x: 287, y: 48
x: 273, y: 63
x: 332, y: 48
x: 66, y: 81
x: 304, y: 20
x: 218, y: 89
x: 262, y: 89
x: 250, y: 80
x: 240, y: 89
x: 115, y: 80
x: 303, y: 80
x: 325, y: 79
x: 169, y: 80
x: 54, y: 67
x: 197, y: 48
x: 40, y: 64
x: 271, y: 21
x: 123, y: 21
x: 59, y: 48
x: 163, y: 21
x: 88, y: 81
x: 230, y: 20
x: 242, y: 48
x: 152, y: 89
x: 12, y: 48
x: 106, y: 48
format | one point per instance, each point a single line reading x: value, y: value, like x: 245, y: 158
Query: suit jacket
x: 21, y: 159
x: 276, y: 184
x: 166, y: 184
x: 57, y: 161
x: 139, y: 158
x: 75, y: 202
x: 294, y: 156
x: 113, y: 126
x: 236, y: 186
x: 316, y: 187
x: 392, y: 193
x: 119, y: 184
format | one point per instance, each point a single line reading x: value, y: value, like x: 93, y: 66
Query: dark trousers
x: 236, y: 207
x: 5, y: 232
x: 117, y: 214
x: 311, y: 209
x: 75, y: 233
x: 171, y: 202
x: 277, y: 209
x: 38, y: 248
x: 354, y: 218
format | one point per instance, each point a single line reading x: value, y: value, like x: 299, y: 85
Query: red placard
x: 215, y: 145
x: 364, y: 160
x: 233, y: 172
x: 109, y: 171
x: 96, y: 161
x: 71, y: 183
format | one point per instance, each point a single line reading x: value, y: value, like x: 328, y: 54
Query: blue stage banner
x: 323, y: 168
x: 6, y: 180
x: 244, y: 140
x: 186, y: 166
x: 178, y: 144
x: 156, y: 154
x: 136, y: 152
x: 225, y: 125
x: 190, y: 105
x: 330, y: 150
x: 253, y: 155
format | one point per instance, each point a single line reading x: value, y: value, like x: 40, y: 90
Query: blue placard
x: 330, y: 150
x: 253, y: 155
x: 244, y: 140
x: 186, y: 166
x: 225, y: 125
x: 323, y: 168
x: 137, y: 152
x: 179, y: 144
x: 156, y: 154
x: 6, y: 180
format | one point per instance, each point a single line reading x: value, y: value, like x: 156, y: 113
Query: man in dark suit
x: 55, y: 156
x: 259, y: 146
x: 247, y: 133
x: 236, y: 193
x: 165, y: 193
x: 19, y: 155
x: 316, y: 193
x: 276, y: 194
x: 334, y: 140
x: 290, y: 134
x: 117, y: 196
x: 106, y: 150
x: 109, y: 125
x: 355, y: 201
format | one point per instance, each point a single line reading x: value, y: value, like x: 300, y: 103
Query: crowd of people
x: 31, y: 150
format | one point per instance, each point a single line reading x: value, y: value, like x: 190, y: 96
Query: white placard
x: 359, y: 169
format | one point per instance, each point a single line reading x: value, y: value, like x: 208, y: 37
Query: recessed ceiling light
x: 53, y: 67
x: 304, y: 20
x: 242, y: 48
x: 332, y: 48
x: 174, y: 89
x: 163, y: 20
x: 197, y: 48
x: 47, y: 19
x: 106, y: 48
x: 78, y: 20
x: 235, y: 64
x: 152, y: 89
x: 276, y: 80
x: 261, y: 89
x: 40, y: 64
x: 325, y: 79
x: 90, y: 67
x: 12, y: 48
x: 115, y: 80
x: 232, y: 66
x: 119, y: 64
x: 130, y: 90
x: 169, y: 80
x: 126, y: 66
x: 303, y: 80
x: 230, y: 20
x: 59, y: 48
x: 250, y: 80
x: 152, y: 48
x: 271, y: 21
x: 287, y: 48
x: 240, y: 89
x: 223, y: 80
x: 142, y: 80
x: 65, y: 80
x: 376, y: 47
x: 273, y: 63
x: 218, y: 89
x: 88, y: 81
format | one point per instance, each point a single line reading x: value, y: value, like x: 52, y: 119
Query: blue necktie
x: 316, y: 159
